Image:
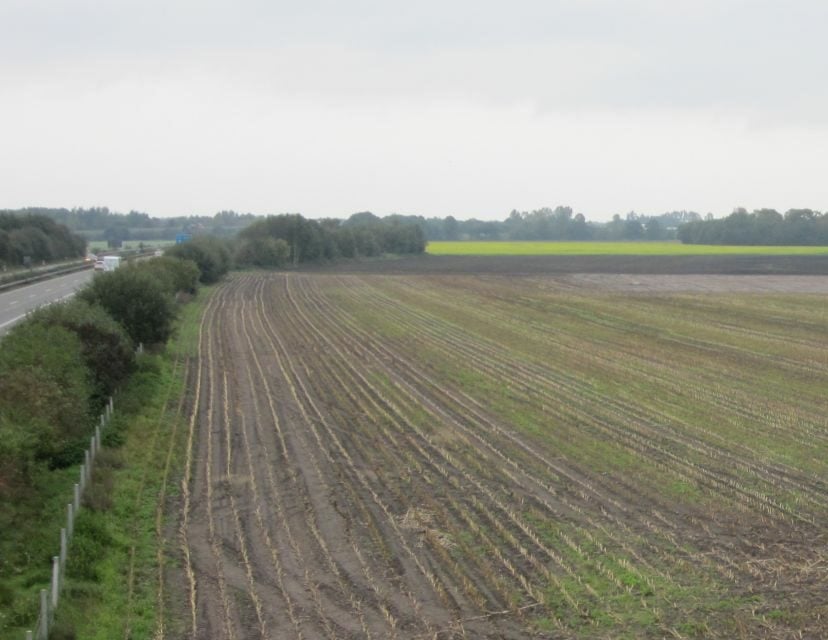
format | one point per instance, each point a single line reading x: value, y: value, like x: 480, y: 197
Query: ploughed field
x: 454, y: 456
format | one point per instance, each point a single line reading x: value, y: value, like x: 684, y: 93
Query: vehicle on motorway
x: 111, y: 262
x: 107, y: 263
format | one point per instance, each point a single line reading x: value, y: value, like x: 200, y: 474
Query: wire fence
x: 49, y: 598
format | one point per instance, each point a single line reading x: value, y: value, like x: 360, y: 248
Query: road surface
x: 15, y: 304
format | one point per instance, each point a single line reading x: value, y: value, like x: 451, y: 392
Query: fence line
x: 49, y: 598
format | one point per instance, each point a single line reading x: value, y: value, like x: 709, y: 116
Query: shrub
x: 176, y: 274
x: 45, y: 386
x: 210, y: 254
x: 262, y: 251
x: 98, y: 495
x: 18, y: 445
x: 62, y: 630
x: 137, y: 300
x: 89, y: 543
x: 38, y: 237
x: 105, y: 345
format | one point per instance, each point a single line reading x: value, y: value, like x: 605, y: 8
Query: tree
x: 652, y: 229
x: 176, y: 275
x: 211, y: 255
x: 633, y: 229
x: 105, y: 346
x: 115, y: 236
x: 451, y: 230
x: 263, y: 252
x: 362, y: 218
x: 45, y: 386
x: 763, y: 226
x: 136, y: 300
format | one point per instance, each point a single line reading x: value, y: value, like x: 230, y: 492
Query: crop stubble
x: 438, y: 457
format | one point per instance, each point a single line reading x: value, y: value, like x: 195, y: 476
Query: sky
x: 463, y: 108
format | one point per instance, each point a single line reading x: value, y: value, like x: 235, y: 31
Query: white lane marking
x: 48, y: 291
x: 23, y: 315
x: 13, y: 302
x: 3, y: 324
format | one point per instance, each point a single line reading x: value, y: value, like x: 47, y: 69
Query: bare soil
x: 555, y: 265
x: 335, y: 488
x: 303, y: 521
x: 713, y: 283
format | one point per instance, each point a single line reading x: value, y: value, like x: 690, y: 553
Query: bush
x: 90, y: 541
x: 62, y: 630
x: 210, y: 255
x: 177, y: 275
x: 37, y: 237
x: 105, y: 345
x: 18, y: 447
x: 45, y: 386
x: 98, y: 495
x: 137, y: 300
x: 263, y: 251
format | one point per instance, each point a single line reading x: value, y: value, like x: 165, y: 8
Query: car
x: 99, y: 265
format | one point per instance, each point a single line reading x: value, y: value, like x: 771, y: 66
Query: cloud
x: 462, y: 108
x: 762, y: 58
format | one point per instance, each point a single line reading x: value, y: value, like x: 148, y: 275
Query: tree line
x: 365, y: 234
x: 361, y: 235
x: 290, y: 240
x: 275, y: 241
x: 761, y: 227
x: 558, y: 224
x: 349, y: 238
x: 99, y: 223
x: 36, y: 238
x: 293, y: 239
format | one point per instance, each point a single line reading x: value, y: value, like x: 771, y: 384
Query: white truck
x: 110, y: 263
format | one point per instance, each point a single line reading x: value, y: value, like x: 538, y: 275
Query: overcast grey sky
x: 443, y: 108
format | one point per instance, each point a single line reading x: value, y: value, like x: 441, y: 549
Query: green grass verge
x: 113, y: 590
x: 112, y: 577
x: 30, y: 527
x: 608, y: 248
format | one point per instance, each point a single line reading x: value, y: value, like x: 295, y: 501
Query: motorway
x: 15, y: 304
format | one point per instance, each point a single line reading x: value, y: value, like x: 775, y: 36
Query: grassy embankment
x: 609, y: 248
x: 115, y: 574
